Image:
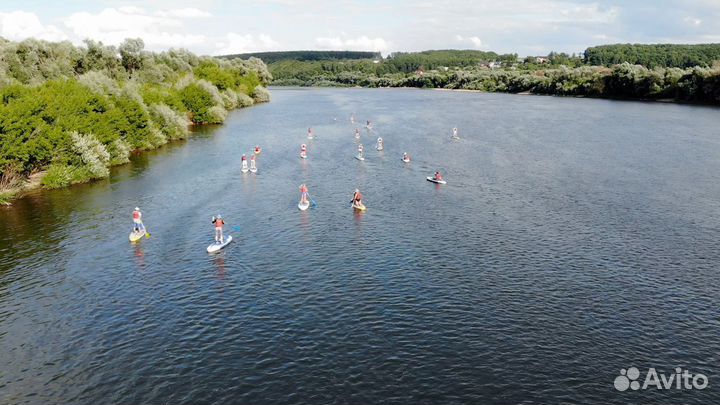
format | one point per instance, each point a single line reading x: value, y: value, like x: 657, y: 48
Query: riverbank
x: 624, y: 81
x: 73, y: 120
x: 17, y: 188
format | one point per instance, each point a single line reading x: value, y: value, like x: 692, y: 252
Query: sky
x: 218, y: 27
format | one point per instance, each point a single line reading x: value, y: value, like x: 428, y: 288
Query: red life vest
x: 136, y: 214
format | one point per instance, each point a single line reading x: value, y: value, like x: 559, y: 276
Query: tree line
x: 698, y: 84
x: 555, y: 73
x: 74, y: 111
x: 654, y: 55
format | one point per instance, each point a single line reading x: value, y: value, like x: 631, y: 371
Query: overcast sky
x: 527, y: 27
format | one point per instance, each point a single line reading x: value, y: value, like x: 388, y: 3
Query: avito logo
x: 679, y: 380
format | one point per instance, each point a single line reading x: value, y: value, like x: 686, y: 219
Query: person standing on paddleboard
x: 137, y: 220
x: 303, y: 194
x: 357, y: 198
x: 218, y: 222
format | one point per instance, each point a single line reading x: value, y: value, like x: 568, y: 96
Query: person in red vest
x: 137, y: 220
x: 218, y: 222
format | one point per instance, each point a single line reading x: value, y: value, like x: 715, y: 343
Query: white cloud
x: 188, y: 12
x: 693, y: 21
x: 19, y: 25
x: 236, y: 43
x: 591, y: 13
x: 362, y: 43
x: 475, y: 41
x: 113, y: 25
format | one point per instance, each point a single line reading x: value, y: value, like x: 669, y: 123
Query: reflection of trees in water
x: 33, y: 223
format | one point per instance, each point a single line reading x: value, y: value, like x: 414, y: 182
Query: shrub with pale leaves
x: 230, y: 99
x: 217, y: 114
x: 212, y: 90
x: 99, y: 83
x: 172, y: 123
x: 244, y: 100
x: 95, y: 158
x: 119, y: 152
x: 261, y: 95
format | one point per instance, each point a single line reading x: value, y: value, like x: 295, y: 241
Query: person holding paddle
x: 138, y: 225
x: 219, y: 223
x: 357, y: 200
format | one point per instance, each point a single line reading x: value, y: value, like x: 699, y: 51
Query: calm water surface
x: 574, y: 238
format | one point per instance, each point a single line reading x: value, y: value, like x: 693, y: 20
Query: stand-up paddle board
x: 244, y: 167
x: 303, y: 207
x: 359, y: 157
x: 359, y: 207
x: 136, y: 236
x: 405, y: 160
x: 217, y: 245
x: 436, y: 181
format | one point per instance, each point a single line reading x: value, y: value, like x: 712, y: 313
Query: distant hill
x: 270, y: 57
x: 654, y: 55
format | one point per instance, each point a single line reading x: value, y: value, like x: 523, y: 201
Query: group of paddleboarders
x: 356, y: 202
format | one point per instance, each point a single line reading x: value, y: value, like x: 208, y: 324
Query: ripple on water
x: 550, y: 260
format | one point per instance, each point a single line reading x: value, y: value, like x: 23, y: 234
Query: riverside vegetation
x: 689, y: 73
x: 68, y: 113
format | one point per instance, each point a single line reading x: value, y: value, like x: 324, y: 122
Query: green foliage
x: 62, y: 175
x: 621, y: 81
x: 198, y: 101
x: 76, y: 111
x: 651, y: 56
x: 211, y: 71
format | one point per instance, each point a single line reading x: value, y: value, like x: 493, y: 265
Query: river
x: 575, y: 238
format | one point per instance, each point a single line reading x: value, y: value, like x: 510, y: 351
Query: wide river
x: 575, y: 238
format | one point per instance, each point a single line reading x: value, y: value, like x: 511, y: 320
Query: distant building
x: 494, y: 65
x: 542, y: 59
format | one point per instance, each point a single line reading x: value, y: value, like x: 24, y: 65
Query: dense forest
x: 555, y: 73
x: 621, y: 81
x: 72, y: 112
x: 270, y: 57
x: 652, y: 56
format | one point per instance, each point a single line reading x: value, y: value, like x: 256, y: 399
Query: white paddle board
x: 217, y: 246
x: 436, y: 181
